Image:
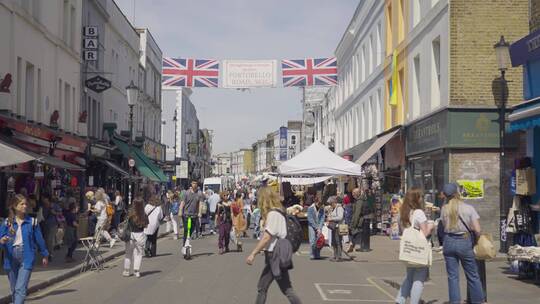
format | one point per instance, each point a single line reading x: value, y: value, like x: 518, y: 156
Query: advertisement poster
x: 471, y: 189
x: 283, y: 143
x: 238, y: 74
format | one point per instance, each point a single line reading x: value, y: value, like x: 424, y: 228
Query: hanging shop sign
x: 525, y: 49
x: 98, y: 84
x: 90, y: 43
x: 249, y: 74
x: 427, y: 134
x: 182, y: 169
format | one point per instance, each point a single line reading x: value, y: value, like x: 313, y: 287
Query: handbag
x: 124, y: 231
x: 414, y: 248
x: 484, y: 249
x: 343, y: 229
x: 320, y: 241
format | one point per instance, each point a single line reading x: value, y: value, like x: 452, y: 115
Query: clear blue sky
x: 244, y: 29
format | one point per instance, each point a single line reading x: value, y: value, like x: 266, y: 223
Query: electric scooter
x: 186, y: 250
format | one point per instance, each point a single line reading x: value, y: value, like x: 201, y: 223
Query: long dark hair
x: 412, y: 201
x: 136, y: 214
x: 15, y: 201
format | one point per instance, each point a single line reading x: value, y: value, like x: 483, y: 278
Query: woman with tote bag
x: 412, y: 216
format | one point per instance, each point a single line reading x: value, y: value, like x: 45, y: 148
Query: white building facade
x: 358, y: 100
x: 41, y: 50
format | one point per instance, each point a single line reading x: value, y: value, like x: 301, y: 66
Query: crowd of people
x: 230, y: 214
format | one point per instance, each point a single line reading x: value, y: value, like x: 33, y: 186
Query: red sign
x: 348, y: 157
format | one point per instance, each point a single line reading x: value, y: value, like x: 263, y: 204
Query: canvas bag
x: 484, y: 249
x: 414, y: 248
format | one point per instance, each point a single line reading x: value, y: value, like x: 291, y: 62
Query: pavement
x: 58, y: 270
x: 372, y: 277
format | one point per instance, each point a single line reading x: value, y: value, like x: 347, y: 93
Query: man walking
x: 213, y: 200
x: 190, y: 208
x: 360, y: 221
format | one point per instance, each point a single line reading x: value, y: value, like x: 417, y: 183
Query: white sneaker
x: 113, y: 241
x: 137, y: 274
x: 126, y: 273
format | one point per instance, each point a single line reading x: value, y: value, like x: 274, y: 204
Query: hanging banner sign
x: 239, y: 74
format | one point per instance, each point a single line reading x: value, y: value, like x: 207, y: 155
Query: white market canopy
x: 318, y: 160
x: 12, y: 155
x: 305, y: 180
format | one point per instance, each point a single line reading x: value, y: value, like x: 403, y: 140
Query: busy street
x: 239, y: 151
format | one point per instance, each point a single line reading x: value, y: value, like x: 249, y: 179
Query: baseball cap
x: 450, y: 189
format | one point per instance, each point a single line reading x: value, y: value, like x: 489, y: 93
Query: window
x: 19, y: 85
x: 415, y: 13
x: 401, y: 92
x: 65, y: 22
x: 293, y: 140
x: 72, y: 27
x: 379, y: 113
x: 362, y: 65
x: 365, y: 124
x: 39, y: 107
x: 436, y: 73
x: 366, y: 62
x: 372, y: 54
x: 416, y: 102
x: 29, y: 92
x: 379, y: 43
x: 36, y: 9
x: 389, y: 34
x: 401, y: 21
x: 370, y: 117
x: 66, y: 115
x: 60, y: 103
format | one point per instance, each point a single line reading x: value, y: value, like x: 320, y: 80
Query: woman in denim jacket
x: 315, y: 217
x: 20, y: 236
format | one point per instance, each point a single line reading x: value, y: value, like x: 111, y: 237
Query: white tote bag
x: 414, y: 248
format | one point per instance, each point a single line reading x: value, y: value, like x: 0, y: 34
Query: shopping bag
x: 414, y: 248
x: 327, y: 233
x: 484, y: 249
x: 343, y: 229
x: 320, y: 241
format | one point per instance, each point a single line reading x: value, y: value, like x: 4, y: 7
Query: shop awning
x: 11, y: 155
x: 142, y: 163
x: 525, y: 115
x: 305, y: 180
x: 55, y: 162
x: 376, y: 146
x: 115, y: 167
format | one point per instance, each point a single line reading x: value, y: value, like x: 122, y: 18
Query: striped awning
x: 525, y: 115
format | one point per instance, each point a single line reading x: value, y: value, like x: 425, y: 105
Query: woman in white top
x: 412, y: 214
x: 275, y: 227
x: 334, y: 219
x: 100, y: 209
x: 155, y: 215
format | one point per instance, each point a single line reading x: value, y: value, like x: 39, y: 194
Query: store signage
x: 153, y: 150
x: 283, y: 143
x: 454, y: 129
x: 182, y: 169
x: 428, y: 134
x: 249, y: 73
x: 525, y: 49
x: 98, y: 84
x: 471, y: 189
x: 90, y: 43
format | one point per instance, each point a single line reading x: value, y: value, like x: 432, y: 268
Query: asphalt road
x: 213, y: 278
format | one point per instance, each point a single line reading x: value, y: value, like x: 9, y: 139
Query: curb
x: 66, y: 275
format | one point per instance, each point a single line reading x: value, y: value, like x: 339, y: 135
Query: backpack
x: 124, y: 230
x: 110, y: 210
x: 295, y: 233
x: 175, y: 208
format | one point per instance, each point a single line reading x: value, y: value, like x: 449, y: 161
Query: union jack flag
x: 179, y: 72
x: 309, y: 72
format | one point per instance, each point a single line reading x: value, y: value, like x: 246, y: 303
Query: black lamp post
x: 175, y: 119
x: 503, y: 57
x: 132, y: 97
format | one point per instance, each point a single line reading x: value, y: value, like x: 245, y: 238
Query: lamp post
x: 132, y: 97
x: 502, y: 52
x: 175, y: 119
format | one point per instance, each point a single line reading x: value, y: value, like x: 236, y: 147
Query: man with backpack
x: 282, y: 237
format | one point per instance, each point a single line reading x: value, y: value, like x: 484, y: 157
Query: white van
x: 213, y: 183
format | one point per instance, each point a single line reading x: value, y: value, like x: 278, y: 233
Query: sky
x: 243, y: 29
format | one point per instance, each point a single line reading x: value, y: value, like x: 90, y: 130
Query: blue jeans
x: 413, y: 285
x: 18, y: 277
x: 315, y: 253
x: 458, y: 249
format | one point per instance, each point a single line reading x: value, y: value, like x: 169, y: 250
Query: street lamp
x: 132, y: 97
x: 175, y: 119
x: 503, y: 58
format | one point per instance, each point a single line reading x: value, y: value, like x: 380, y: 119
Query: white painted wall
x: 34, y: 35
x: 354, y: 103
x: 425, y: 93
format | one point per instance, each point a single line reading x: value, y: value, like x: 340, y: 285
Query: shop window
x: 436, y: 72
x: 293, y: 140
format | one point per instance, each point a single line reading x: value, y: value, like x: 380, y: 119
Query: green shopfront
x: 457, y: 145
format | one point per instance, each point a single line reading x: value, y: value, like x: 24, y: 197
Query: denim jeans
x: 458, y: 249
x: 18, y: 277
x: 284, y: 284
x: 413, y: 285
x: 315, y: 253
